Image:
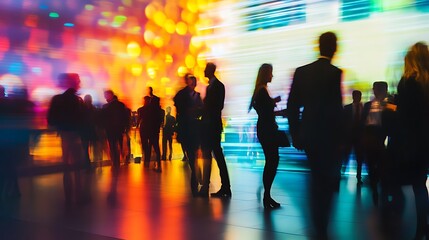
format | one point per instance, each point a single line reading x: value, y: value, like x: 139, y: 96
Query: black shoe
x: 269, y: 203
x: 222, y: 193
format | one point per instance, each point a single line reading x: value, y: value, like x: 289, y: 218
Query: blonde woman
x: 413, y: 115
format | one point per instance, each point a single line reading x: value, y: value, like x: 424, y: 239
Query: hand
x: 277, y: 99
x: 298, y: 145
x: 391, y: 107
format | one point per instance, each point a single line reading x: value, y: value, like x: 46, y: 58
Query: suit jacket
x: 316, y: 88
x: 353, y: 129
x: 213, y: 105
x: 114, y: 118
x: 67, y: 111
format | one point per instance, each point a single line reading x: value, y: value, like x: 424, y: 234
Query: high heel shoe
x: 269, y: 203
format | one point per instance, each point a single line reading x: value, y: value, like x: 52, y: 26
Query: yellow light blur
x: 201, y: 60
x: 165, y: 80
x: 181, y: 71
x: 190, y: 61
x: 202, y: 5
x: 106, y: 14
x: 181, y: 28
x: 192, y: 6
x: 136, y: 29
x: 170, y: 26
x: 150, y: 11
x: 136, y: 70
x: 159, y: 18
x: 151, y: 72
x: 169, y: 91
x: 158, y: 42
x: 196, y: 42
x: 168, y: 58
x: 149, y: 36
x: 133, y: 49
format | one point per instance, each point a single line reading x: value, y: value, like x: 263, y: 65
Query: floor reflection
x: 134, y: 202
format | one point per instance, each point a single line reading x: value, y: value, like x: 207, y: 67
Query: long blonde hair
x: 417, y: 65
x: 264, y: 74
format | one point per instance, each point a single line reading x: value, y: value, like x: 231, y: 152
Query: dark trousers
x: 356, y: 146
x: 374, y: 155
x: 115, y: 142
x: 167, y: 140
x: 148, y: 141
x: 190, y: 141
x: 211, y: 144
x: 325, y: 164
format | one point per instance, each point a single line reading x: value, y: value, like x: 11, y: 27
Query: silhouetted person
x: 374, y: 136
x: 353, y: 136
x: 413, y: 130
x: 143, y: 124
x: 16, y: 114
x: 212, y: 130
x: 188, y: 105
x: 167, y: 134
x: 316, y: 88
x: 67, y: 114
x: 153, y: 99
x: 266, y: 128
x: 150, y: 118
x: 115, y: 120
x: 89, y: 134
x: 126, y: 150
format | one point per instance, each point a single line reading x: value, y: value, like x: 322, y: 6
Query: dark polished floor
x: 139, y: 203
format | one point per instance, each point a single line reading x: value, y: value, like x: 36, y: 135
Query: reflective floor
x: 139, y: 203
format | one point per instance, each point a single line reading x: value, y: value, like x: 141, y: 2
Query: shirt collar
x: 325, y: 57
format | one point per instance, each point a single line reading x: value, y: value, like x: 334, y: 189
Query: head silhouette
x: 328, y: 44
x: 210, y: 70
x: 265, y: 75
x: 109, y: 95
x: 149, y: 91
x: 380, y: 90
x: 87, y: 99
x: 69, y: 80
x: 357, y: 96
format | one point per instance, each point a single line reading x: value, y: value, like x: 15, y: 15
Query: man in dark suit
x: 316, y: 88
x: 375, y: 135
x: 212, y: 130
x: 167, y: 134
x: 67, y: 114
x: 353, y: 128
x: 115, y: 120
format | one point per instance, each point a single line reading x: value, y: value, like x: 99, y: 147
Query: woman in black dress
x: 266, y: 130
x: 413, y: 116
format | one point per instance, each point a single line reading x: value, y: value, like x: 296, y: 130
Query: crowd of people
x: 389, y: 133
